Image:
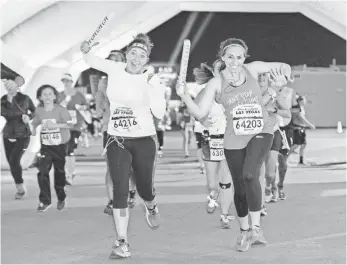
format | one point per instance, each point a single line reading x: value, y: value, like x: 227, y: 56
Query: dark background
x: 285, y: 37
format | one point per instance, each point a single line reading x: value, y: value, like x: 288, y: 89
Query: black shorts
x: 299, y: 136
x: 212, y: 148
x: 72, y: 144
x: 277, y: 141
x: 198, y: 137
x: 289, y: 131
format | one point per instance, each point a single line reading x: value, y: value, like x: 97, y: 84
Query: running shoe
x: 257, y: 237
x: 211, y: 204
x: 263, y: 211
x: 153, y: 217
x: 242, y: 242
x: 60, y: 205
x: 109, y: 208
x: 43, y: 207
x: 224, y: 221
x: 132, y: 199
x: 274, y: 197
x: 268, y: 194
x: 281, y: 194
x: 120, y: 250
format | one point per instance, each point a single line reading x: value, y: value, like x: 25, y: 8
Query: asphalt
x: 308, y: 227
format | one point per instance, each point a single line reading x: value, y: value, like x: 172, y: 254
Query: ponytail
x: 205, y: 73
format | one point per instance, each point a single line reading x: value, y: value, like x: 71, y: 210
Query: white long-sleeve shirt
x: 132, y: 99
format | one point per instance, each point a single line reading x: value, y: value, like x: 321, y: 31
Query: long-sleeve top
x: 133, y: 99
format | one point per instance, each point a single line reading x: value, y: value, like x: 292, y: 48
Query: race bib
x: 73, y: 115
x: 216, y: 149
x: 248, y: 119
x: 50, y: 136
x: 124, y: 120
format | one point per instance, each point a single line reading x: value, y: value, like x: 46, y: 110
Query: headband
x: 139, y: 45
x: 234, y: 44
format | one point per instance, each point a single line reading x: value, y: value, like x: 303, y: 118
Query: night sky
x: 289, y: 37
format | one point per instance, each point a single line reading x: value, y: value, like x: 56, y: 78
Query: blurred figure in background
x: 74, y: 101
x: 186, y: 122
x: 18, y: 109
x: 299, y: 123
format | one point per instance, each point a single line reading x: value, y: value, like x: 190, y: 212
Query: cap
x: 66, y: 77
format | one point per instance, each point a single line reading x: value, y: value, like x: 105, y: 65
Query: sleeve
x: 98, y: 63
x: 100, y: 97
x: 36, y: 119
x: 31, y: 108
x: 65, y: 115
x: 157, y: 97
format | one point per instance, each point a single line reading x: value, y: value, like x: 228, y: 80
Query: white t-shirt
x: 132, y: 99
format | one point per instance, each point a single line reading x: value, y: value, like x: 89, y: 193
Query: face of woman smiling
x: 234, y: 58
x: 137, y: 58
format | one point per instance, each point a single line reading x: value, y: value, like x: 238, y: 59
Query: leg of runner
x: 263, y: 211
x: 132, y: 190
x: 244, y: 165
x: 270, y: 176
x: 212, y: 179
x: 186, y: 141
x: 198, y: 137
x: 226, y: 194
x: 282, y: 171
x: 70, y: 156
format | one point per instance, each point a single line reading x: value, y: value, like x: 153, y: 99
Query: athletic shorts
x: 299, y: 137
x: 277, y: 141
x: 72, y: 144
x: 212, y: 147
x: 198, y: 137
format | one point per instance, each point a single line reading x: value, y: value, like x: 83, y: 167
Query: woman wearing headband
x: 132, y: 142
x: 249, y: 132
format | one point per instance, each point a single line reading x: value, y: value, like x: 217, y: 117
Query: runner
x: 103, y: 110
x: 249, y: 131
x: 132, y: 136
x: 18, y: 109
x: 198, y: 131
x: 299, y: 123
x: 275, y: 105
x: 74, y: 101
x: 55, y: 134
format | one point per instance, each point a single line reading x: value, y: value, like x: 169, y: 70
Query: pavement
x: 308, y: 227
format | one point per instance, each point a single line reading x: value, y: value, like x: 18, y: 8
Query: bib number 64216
x: 125, y: 123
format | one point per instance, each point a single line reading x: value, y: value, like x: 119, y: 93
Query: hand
x: 33, y: 132
x: 270, y: 108
x: 181, y: 89
x: 85, y: 47
x: 277, y: 78
x: 208, y: 121
x: 25, y: 118
x: 49, y: 124
x: 312, y: 126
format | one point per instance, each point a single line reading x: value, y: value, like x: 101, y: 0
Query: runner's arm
x: 258, y: 67
x: 157, y: 97
x: 202, y: 108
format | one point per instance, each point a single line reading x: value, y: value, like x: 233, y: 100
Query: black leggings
x: 138, y: 153
x: 160, y: 135
x: 244, y: 165
x: 14, y: 152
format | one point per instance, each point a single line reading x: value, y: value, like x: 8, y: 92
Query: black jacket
x: 12, y: 112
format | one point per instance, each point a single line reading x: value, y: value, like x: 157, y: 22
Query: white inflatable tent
x: 40, y: 38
